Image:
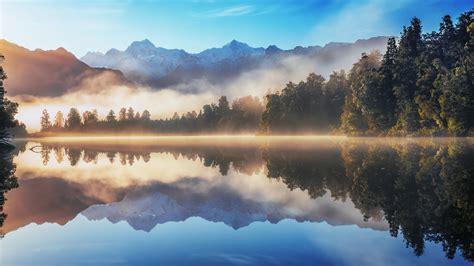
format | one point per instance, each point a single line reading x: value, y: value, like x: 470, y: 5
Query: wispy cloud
x: 232, y: 11
x: 355, y: 20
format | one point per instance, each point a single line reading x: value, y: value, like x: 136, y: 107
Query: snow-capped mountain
x: 144, y: 208
x: 231, y: 51
x: 141, y: 62
x: 144, y: 63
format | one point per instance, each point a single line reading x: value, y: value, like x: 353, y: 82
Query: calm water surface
x: 238, y: 201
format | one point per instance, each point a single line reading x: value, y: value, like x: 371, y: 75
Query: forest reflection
x: 424, y: 189
x: 8, y: 179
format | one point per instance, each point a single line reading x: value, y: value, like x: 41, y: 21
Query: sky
x: 195, y: 25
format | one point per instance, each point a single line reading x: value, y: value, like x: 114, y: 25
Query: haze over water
x: 248, y: 200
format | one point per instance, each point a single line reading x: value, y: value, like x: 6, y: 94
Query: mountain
x: 145, y: 207
x: 231, y: 51
x: 141, y: 62
x: 51, y: 73
x: 146, y: 64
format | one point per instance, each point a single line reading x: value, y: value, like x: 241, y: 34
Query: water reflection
x: 421, y: 190
x: 8, y: 180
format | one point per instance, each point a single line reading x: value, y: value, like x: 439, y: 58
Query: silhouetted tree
x: 122, y: 114
x: 45, y: 121
x: 111, y: 117
x: 9, y: 126
x: 146, y: 116
x: 73, y: 119
x: 130, y: 114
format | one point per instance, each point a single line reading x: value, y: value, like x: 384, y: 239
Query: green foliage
x: 308, y: 106
x: 9, y: 126
x: 335, y: 91
x: 422, y: 86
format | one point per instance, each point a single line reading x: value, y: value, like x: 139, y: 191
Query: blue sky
x: 195, y: 25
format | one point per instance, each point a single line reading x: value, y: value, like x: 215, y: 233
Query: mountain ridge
x: 50, y: 72
x: 145, y: 64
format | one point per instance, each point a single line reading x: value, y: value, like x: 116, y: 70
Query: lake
x: 224, y: 200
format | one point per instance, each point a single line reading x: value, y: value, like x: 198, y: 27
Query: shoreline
x: 231, y: 137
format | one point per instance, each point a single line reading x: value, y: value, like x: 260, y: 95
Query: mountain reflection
x: 422, y: 190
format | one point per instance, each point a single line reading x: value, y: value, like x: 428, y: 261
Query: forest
x: 242, y: 116
x: 421, y: 86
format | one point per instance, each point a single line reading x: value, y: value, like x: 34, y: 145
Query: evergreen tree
x: 457, y: 84
x: 73, y: 119
x: 111, y: 116
x: 122, y: 115
x: 45, y: 121
x: 405, y: 76
x: 389, y: 107
x: 146, y: 115
x: 8, y: 110
x: 130, y: 114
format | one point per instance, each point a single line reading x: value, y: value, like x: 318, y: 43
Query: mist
x: 97, y: 93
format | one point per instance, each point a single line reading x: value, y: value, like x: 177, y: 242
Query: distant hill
x: 51, y: 73
x: 55, y: 72
x: 144, y: 63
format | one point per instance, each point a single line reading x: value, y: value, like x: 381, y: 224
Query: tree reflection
x: 8, y: 180
x: 111, y: 156
x: 73, y: 155
x: 423, y: 189
x: 425, y: 192
x: 90, y: 156
x: 310, y: 170
x: 45, y: 154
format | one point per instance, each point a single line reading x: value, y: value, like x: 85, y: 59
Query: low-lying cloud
x: 161, y: 103
x: 97, y: 93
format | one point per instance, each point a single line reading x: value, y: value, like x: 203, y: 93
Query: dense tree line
x: 89, y: 121
x: 9, y: 126
x: 422, y: 85
x: 243, y: 115
x: 309, y: 106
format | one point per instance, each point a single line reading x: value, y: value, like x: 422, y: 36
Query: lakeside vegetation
x: 422, y: 86
x: 9, y: 126
x: 242, y: 116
